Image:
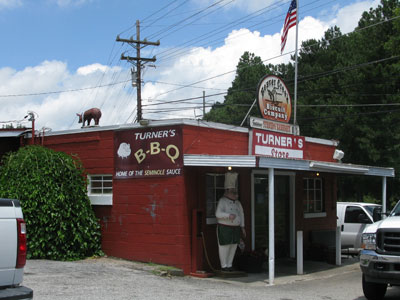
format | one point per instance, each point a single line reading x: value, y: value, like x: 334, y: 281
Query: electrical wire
x: 168, y: 53
x: 287, y: 53
x: 152, y: 36
x: 64, y: 91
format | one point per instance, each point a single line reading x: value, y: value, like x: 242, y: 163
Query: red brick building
x: 154, y: 187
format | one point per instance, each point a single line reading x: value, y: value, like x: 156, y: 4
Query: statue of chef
x: 230, y: 219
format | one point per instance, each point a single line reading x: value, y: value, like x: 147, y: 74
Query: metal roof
x: 11, y: 133
x: 150, y: 124
x: 171, y: 122
x: 244, y: 161
x: 250, y: 161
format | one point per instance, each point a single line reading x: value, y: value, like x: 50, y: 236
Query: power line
x: 182, y: 86
x: 163, y: 16
x: 174, y: 53
x: 64, y: 91
x: 161, y: 9
x: 214, y: 32
x: 200, y: 17
x: 182, y: 21
x: 352, y: 115
x: 290, y: 52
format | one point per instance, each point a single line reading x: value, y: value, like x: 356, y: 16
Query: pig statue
x: 93, y: 113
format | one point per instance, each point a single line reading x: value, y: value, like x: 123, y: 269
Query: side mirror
x: 377, y: 214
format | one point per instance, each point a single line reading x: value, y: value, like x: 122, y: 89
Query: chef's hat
x: 230, y: 180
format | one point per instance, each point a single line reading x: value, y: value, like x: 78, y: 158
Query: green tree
x: 241, y: 94
x: 359, y: 71
x: 51, y: 187
x: 348, y: 89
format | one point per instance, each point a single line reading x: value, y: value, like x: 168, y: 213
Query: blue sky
x: 56, y: 53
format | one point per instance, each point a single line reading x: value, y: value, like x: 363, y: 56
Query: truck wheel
x: 372, y: 290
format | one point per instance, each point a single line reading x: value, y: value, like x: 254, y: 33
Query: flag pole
x: 295, y: 65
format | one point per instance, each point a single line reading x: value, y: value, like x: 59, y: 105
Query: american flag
x: 290, y: 21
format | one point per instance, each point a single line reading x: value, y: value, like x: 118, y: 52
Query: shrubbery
x: 51, y: 186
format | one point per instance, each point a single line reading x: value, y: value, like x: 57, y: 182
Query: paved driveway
x: 108, y: 278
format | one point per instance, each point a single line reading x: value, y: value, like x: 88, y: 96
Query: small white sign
x: 274, y: 126
x: 278, y: 152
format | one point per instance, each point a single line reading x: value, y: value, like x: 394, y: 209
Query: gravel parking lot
x: 110, y: 278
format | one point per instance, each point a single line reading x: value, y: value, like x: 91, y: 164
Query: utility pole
x: 138, y: 44
x: 204, y: 103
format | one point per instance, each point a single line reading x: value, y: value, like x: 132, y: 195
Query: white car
x: 353, y: 217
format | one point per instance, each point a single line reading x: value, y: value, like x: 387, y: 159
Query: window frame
x: 351, y: 215
x: 317, y: 190
x: 218, y: 191
x: 102, y: 198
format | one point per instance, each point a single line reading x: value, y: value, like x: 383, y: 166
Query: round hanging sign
x: 274, y: 99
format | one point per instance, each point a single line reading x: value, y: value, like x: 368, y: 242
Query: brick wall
x: 148, y: 222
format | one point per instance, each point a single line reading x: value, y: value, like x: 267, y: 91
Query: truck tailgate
x: 8, y: 250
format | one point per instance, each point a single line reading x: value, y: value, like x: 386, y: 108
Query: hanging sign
x: 274, y: 99
x: 278, y: 145
x: 274, y: 126
x: 148, y: 152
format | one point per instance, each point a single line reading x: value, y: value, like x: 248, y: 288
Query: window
x: 356, y: 215
x: 312, y: 195
x: 100, y: 189
x: 214, y: 191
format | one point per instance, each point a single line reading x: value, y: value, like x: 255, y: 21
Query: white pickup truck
x: 380, y: 257
x: 12, y: 251
x: 353, y: 218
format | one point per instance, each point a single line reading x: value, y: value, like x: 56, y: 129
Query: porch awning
x: 317, y: 166
x: 244, y: 161
x: 251, y: 161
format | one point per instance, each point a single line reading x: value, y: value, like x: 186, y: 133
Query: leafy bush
x: 51, y: 186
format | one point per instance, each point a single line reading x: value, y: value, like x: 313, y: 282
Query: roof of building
x: 7, y: 133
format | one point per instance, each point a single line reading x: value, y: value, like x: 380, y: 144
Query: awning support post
x: 338, y: 246
x: 384, y: 194
x: 271, y: 221
x: 299, y: 252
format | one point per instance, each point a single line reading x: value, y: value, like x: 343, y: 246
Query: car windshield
x: 396, y: 210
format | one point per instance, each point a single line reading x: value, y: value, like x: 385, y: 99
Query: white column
x: 338, y: 246
x: 292, y: 217
x: 383, y: 194
x: 271, y: 221
x: 253, y: 214
x: 299, y: 252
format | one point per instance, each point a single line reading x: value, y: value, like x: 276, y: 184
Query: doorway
x: 283, y: 215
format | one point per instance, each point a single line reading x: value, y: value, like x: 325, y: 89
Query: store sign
x: 274, y: 126
x: 274, y: 99
x: 278, y: 145
x: 148, y: 152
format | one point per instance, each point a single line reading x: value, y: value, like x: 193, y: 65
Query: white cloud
x: 37, y: 89
x: 117, y: 102
x: 347, y: 17
x: 65, y: 3
x: 86, y: 70
x: 10, y: 3
x: 202, y: 63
